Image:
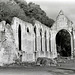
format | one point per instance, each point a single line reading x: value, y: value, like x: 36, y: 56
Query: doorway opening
x: 63, y: 43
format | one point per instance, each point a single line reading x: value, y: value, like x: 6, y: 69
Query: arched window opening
x: 49, y: 42
x: 41, y: 38
x: 35, y: 29
x: 35, y: 39
x: 19, y: 37
x: 27, y: 29
x: 45, y: 42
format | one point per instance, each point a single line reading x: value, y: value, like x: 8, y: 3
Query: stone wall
x: 61, y: 23
x: 43, y: 45
x: 8, y: 52
x: 34, y: 43
x: 27, y: 39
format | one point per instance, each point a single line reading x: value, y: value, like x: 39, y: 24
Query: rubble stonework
x: 27, y: 42
x: 7, y: 45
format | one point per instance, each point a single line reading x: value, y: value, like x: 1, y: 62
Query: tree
x: 9, y: 10
x: 27, y: 12
x: 33, y: 10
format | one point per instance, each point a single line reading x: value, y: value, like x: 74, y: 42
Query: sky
x: 53, y: 7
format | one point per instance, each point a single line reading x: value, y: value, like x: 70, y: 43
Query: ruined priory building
x: 27, y: 42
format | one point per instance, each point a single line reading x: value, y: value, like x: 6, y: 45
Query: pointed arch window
x: 19, y: 37
x: 50, y: 42
x: 45, y: 41
x: 28, y: 30
x: 41, y: 38
x: 35, y: 39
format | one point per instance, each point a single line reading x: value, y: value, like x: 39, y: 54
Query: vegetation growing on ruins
x: 27, y: 12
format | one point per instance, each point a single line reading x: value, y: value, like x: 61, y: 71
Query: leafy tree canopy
x: 27, y: 12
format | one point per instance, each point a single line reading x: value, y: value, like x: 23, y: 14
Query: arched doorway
x: 63, y: 43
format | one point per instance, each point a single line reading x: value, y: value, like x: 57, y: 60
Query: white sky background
x: 52, y: 7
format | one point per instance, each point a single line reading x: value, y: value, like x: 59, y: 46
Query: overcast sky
x: 52, y: 7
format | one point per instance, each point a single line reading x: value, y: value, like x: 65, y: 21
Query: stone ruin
x: 27, y: 42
